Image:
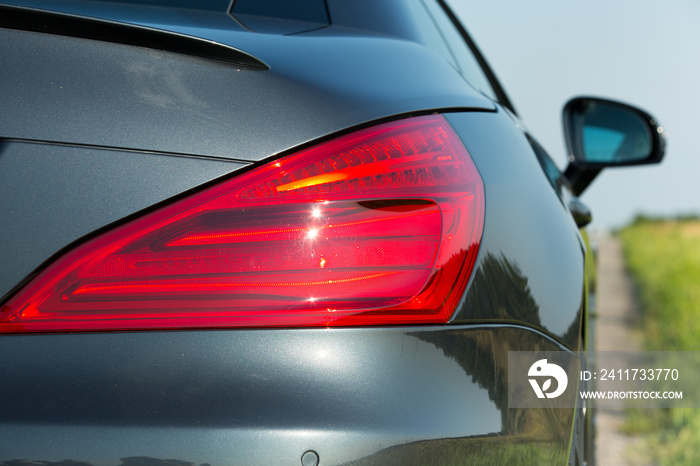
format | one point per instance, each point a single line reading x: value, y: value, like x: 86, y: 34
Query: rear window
x: 211, y: 5
x: 465, y: 60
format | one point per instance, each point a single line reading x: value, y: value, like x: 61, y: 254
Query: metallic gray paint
x: 78, y: 91
x: 357, y: 396
x: 54, y: 194
x: 531, y: 258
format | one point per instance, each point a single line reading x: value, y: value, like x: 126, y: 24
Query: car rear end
x: 233, y: 247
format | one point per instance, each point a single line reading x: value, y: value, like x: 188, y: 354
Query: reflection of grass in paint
x: 487, y: 451
x: 664, y: 259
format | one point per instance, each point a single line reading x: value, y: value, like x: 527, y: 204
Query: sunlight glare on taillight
x: 378, y: 227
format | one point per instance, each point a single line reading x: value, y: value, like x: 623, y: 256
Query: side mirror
x: 603, y: 133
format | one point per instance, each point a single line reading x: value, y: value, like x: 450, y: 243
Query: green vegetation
x: 664, y: 258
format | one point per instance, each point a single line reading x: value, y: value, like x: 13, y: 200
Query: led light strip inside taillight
x: 378, y: 227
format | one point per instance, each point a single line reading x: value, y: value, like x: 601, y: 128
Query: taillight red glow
x: 378, y: 227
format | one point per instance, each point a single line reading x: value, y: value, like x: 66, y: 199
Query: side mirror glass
x: 603, y: 133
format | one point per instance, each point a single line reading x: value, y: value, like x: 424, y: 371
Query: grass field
x: 664, y: 259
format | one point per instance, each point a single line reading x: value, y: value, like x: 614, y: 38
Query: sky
x: 641, y: 52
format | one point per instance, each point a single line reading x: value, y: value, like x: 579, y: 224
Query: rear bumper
x: 411, y: 395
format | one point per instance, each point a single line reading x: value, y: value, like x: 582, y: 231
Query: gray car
x: 266, y: 232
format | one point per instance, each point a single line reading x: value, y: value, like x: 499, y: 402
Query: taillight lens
x: 378, y: 227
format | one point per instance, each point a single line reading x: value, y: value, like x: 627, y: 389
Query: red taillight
x: 377, y: 227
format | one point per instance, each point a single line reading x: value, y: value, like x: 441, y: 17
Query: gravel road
x: 616, y: 329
